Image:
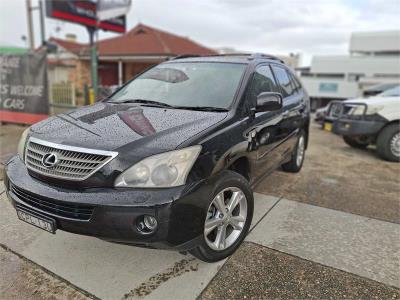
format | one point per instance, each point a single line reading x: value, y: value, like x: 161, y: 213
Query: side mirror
x: 269, y: 101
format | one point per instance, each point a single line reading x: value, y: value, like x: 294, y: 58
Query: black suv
x: 169, y: 160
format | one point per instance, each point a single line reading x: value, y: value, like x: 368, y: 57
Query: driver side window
x: 262, y: 81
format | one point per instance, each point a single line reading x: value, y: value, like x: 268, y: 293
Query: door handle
x: 285, y: 114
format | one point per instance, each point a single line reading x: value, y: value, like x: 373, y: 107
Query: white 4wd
x: 374, y: 120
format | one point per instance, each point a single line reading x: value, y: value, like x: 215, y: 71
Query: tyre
x: 354, y: 142
x: 388, y: 143
x: 297, y: 158
x: 228, y: 218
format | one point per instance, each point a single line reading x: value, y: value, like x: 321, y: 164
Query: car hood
x: 388, y: 107
x: 108, y: 126
x: 375, y: 101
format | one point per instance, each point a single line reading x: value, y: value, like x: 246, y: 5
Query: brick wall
x: 80, y: 76
x: 132, y: 69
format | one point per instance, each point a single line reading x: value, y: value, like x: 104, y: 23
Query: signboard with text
x: 328, y: 87
x: 23, y: 88
x: 84, y: 13
x: 109, y: 9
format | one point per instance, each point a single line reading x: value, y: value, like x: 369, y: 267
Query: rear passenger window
x: 284, y: 81
x: 262, y: 81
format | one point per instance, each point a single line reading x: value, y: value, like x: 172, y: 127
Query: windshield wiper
x: 142, y: 101
x: 203, y: 108
x: 162, y: 104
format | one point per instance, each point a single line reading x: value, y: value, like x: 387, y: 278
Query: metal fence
x: 62, y: 97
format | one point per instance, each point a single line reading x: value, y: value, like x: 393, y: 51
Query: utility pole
x: 93, y: 62
x: 30, y: 24
x: 42, y: 27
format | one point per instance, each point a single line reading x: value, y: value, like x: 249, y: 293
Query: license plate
x: 328, y: 126
x: 38, y: 221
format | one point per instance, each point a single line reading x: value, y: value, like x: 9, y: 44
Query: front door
x: 264, y: 134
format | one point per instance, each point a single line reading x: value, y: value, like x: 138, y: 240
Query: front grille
x: 72, y: 163
x: 55, y: 208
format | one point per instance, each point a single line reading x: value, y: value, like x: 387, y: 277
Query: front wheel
x: 297, y: 159
x: 228, y: 218
x: 388, y: 143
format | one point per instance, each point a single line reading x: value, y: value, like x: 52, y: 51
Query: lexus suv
x: 169, y: 159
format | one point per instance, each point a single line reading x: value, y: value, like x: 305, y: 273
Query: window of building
x: 355, y: 77
x: 329, y: 75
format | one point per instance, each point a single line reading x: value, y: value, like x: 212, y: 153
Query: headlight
x: 22, y: 144
x: 357, y: 110
x: 162, y: 170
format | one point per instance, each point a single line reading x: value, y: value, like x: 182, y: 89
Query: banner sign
x: 84, y: 13
x: 108, y: 9
x: 23, y: 88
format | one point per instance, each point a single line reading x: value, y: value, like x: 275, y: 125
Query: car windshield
x: 185, y: 85
x: 394, y: 92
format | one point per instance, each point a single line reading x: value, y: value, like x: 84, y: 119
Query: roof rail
x: 250, y: 56
x: 184, y: 56
x: 267, y: 56
x: 233, y: 54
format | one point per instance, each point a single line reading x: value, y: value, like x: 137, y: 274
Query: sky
x: 319, y: 27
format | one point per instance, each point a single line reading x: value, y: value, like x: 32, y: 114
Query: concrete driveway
x: 362, y: 246
x: 329, y: 232
x: 112, y: 271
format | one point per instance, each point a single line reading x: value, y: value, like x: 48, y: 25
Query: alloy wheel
x: 395, y: 145
x: 226, y: 217
x: 300, y: 151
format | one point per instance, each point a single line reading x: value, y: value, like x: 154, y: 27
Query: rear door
x: 292, y: 109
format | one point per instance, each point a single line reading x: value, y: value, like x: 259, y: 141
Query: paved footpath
x: 294, y: 250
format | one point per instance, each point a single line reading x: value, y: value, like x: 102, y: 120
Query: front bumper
x: 180, y: 211
x: 350, y: 127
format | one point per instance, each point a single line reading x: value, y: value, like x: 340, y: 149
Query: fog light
x: 147, y: 224
x: 150, y: 222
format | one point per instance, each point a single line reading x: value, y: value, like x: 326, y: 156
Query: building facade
x: 374, y: 58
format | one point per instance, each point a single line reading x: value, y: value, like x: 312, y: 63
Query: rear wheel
x: 228, y: 218
x: 388, y: 143
x: 297, y: 159
x: 355, y: 142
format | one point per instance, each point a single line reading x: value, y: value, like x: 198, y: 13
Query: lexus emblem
x: 49, y: 160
